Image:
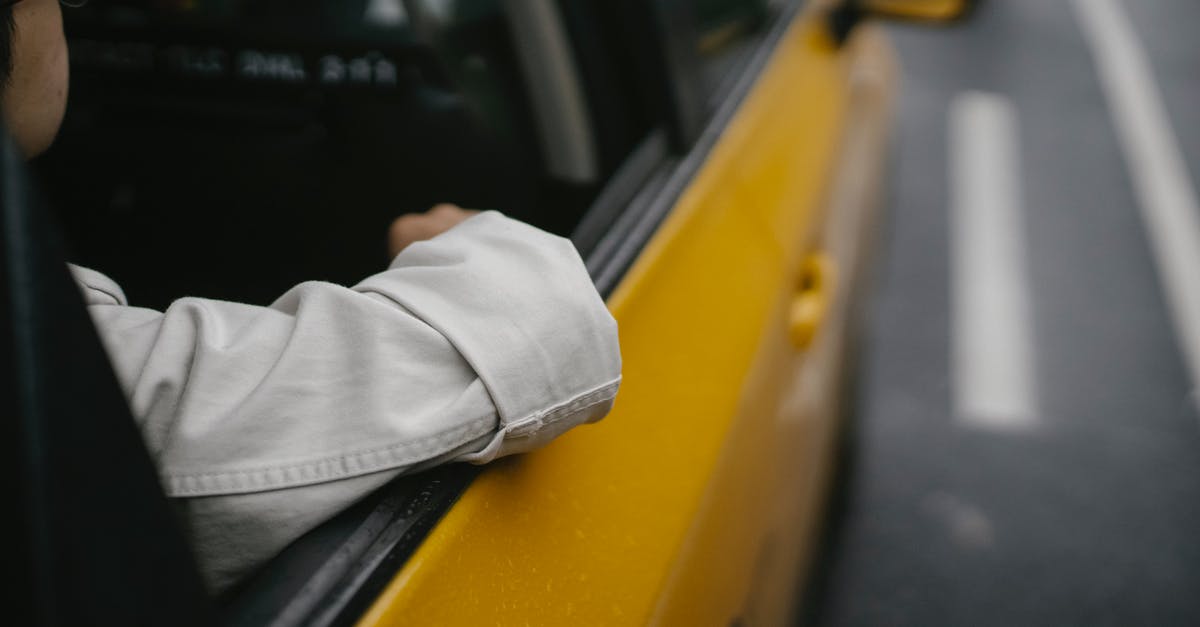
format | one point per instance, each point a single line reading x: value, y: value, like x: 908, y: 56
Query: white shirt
x: 487, y: 340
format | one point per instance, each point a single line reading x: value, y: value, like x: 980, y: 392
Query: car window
x: 248, y: 146
x: 232, y: 149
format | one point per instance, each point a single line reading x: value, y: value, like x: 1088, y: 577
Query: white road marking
x: 1160, y: 176
x: 994, y: 383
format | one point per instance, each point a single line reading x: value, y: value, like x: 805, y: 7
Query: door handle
x: 812, y: 300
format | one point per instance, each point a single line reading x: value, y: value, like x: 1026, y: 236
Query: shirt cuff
x: 519, y: 306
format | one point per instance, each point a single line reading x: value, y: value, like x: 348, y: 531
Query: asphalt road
x: 1088, y: 511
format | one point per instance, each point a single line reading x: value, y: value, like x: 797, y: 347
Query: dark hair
x: 6, y: 44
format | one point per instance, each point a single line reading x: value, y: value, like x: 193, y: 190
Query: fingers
x: 417, y: 227
x: 445, y: 208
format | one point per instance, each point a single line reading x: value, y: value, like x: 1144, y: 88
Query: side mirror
x: 846, y: 14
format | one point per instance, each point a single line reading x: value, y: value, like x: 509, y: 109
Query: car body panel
x: 667, y: 511
x: 756, y: 531
x: 930, y: 10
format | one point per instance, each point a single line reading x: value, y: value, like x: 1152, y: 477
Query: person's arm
x: 485, y: 341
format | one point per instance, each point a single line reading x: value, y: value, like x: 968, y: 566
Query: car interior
x: 248, y: 146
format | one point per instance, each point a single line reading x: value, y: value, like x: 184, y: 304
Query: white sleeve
x: 485, y: 341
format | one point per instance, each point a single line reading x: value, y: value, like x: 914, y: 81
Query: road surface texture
x: 1027, y: 178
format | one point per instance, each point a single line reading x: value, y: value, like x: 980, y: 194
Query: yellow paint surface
x: 932, y: 10
x: 754, y: 535
x: 669, y: 511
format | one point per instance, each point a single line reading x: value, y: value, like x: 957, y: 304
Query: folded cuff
x: 519, y: 306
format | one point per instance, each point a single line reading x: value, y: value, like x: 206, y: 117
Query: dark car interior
x: 246, y: 146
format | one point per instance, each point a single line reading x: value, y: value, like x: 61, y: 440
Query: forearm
x: 486, y: 341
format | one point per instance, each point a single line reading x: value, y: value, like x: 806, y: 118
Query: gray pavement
x: 1093, y: 517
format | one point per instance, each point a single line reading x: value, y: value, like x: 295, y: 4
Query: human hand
x: 416, y: 227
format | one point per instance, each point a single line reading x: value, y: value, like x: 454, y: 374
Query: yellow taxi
x: 718, y: 164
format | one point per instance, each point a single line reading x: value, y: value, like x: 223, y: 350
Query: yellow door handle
x: 812, y: 300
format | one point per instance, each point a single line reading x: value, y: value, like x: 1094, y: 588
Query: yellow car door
x: 695, y: 501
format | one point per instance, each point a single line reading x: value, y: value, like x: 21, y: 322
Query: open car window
x: 231, y: 149
x: 247, y: 146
